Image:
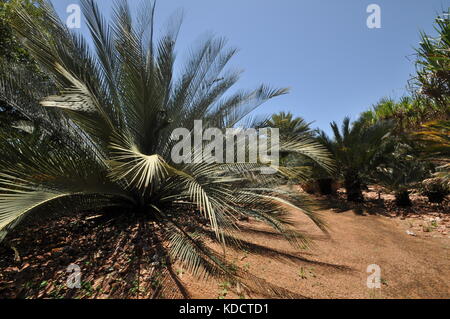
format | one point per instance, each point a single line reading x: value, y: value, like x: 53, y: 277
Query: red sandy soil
x: 414, y: 265
x: 336, y: 267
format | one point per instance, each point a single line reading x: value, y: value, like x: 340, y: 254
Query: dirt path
x: 336, y: 267
x: 411, y: 266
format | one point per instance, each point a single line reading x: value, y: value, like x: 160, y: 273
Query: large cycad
x: 357, y: 148
x: 400, y: 172
x: 106, y: 135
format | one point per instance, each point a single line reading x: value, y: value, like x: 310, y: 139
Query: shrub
x: 435, y: 189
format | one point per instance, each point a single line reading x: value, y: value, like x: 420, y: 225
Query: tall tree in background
x: 12, y: 52
x: 406, y: 114
x: 433, y: 79
x: 433, y: 64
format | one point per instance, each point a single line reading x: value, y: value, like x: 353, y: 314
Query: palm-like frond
x: 401, y: 172
x: 357, y: 149
x: 104, y: 133
x: 290, y: 126
x: 435, y: 138
x: 433, y: 64
x: 355, y: 145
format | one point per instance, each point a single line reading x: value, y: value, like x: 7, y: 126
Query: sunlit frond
x: 103, y: 137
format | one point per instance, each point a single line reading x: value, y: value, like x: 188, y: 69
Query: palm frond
x: 103, y: 135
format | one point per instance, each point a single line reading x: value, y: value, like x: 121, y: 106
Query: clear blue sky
x: 322, y: 49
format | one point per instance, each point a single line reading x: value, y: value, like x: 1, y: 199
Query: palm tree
x: 356, y: 148
x: 302, y: 169
x: 290, y: 126
x: 108, y: 124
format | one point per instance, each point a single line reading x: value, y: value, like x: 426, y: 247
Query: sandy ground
x: 412, y: 266
x: 410, y: 246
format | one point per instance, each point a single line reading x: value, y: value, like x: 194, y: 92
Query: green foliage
x: 407, y: 114
x: 433, y: 63
x: 290, y: 126
x: 108, y: 131
x: 300, y: 167
x: 12, y: 51
x: 306, y: 273
x: 435, y: 140
x: 401, y: 171
x: 356, y: 149
x: 410, y: 115
x: 10, y: 47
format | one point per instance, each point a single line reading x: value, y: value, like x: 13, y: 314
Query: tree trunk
x: 325, y: 186
x: 436, y: 197
x: 353, y: 188
x: 402, y: 199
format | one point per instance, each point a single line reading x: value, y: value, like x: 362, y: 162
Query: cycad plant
x: 290, y: 126
x: 296, y: 128
x: 318, y: 178
x: 356, y: 149
x: 435, y: 140
x: 108, y: 123
x: 401, y: 172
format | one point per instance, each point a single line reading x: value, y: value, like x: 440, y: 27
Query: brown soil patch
x: 412, y: 266
x: 336, y: 266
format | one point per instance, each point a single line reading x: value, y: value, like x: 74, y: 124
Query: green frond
x: 309, y: 149
x: 102, y: 136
